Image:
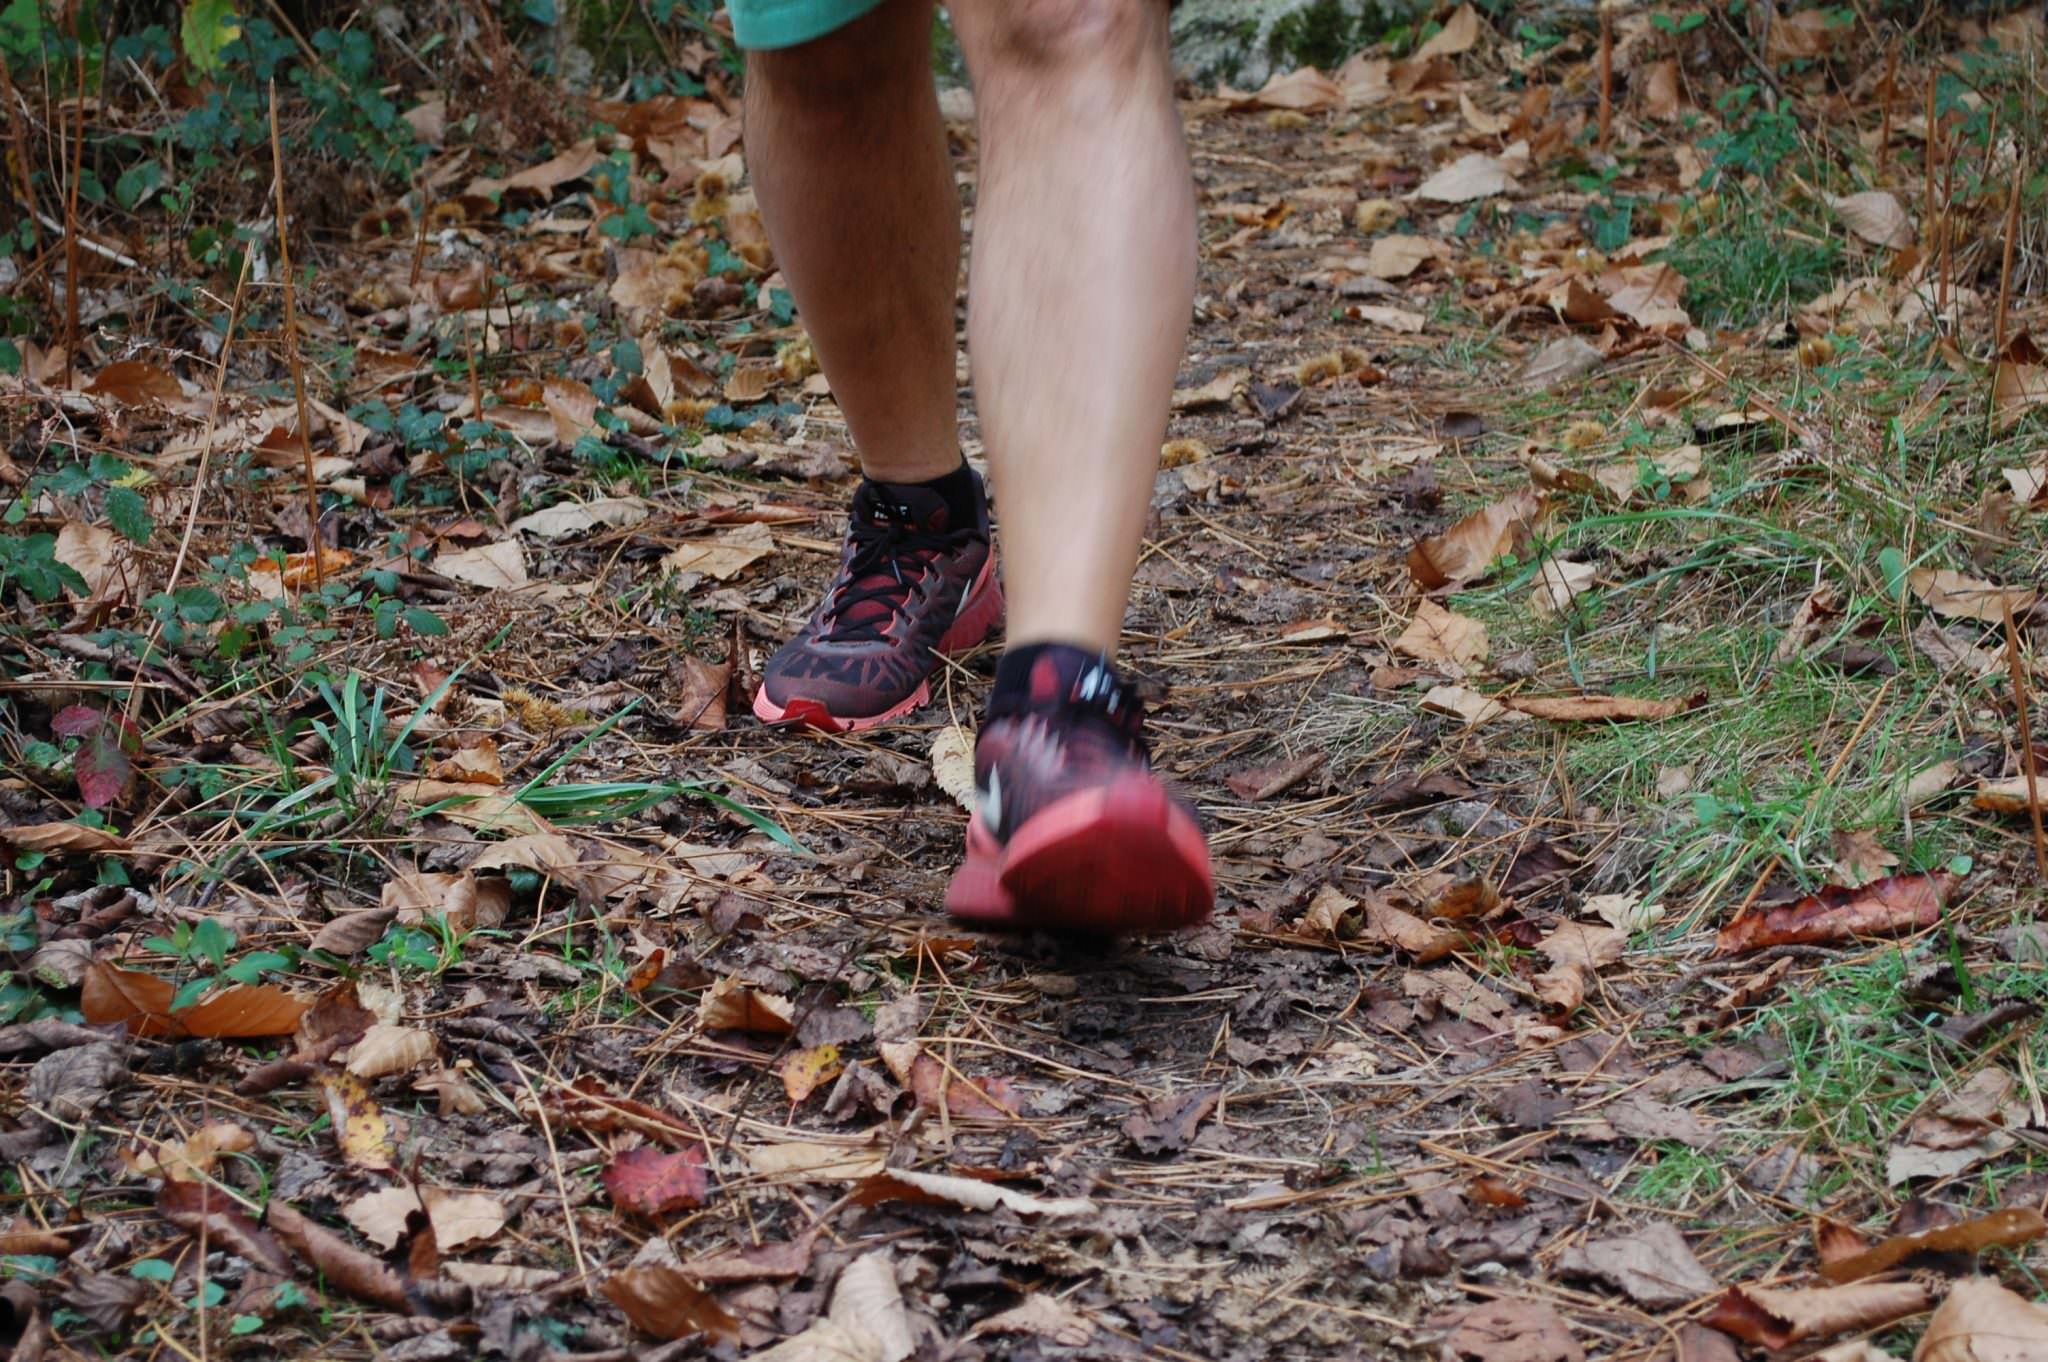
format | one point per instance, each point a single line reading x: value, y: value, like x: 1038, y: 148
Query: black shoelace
x: 875, y: 575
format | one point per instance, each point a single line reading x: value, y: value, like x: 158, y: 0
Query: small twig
x: 2012, y: 231
x: 1606, y: 76
x: 561, y: 1178
x: 291, y: 348
x: 1826, y: 781
x: 1930, y: 152
x: 2027, y: 764
x: 1885, y: 93
x: 1948, y: 210
x: 71, y: 216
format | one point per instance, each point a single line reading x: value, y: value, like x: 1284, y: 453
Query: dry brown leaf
x: 567, y: 518
x: 722, y: 557
x: 1397, y: 256
x: 2000, y: 1229
x: 1776, y: 1319
x: 812, y: 1161
x: 476, y: 764
x: 1649, y: 296
x: 458, y: 1218
x: 101, y: 557
x: 1653, y: 1266
x: 1860, y: 856
x: 192, y: 1158
x: 1040, y: 1316
x: 1473, y: 176
x: 1458, y: 34
x: 661, y: 1301
x: 387, y: 1050
x: 972, y: 1193
x: 1902, y: 903
x: 1304, y: 88
x: 1465, y: 551
x: 494, y: 567
x: 143, y: 1003
x: 751, y: 382
x: 1953, y: 594
x: 63, y: 837
x: 1461, y: 702
x: 138, y: 383
x: 339, y: 1263
x: 1875, y: 215
x: 953, y: 764
x: 1559, y: 583
x: 1663, y: 97
x: 467, y: 901
x: 572, y: 406
x: 1513, y: 1329
x: 1440, y: 636
x: 2017, y: 389
x: 866, y: 1301
x: 1624, y: 912
x: 544, y: 178
x: 730, y: 1005
x: 2013, y: 795
x: 1217, y: 392
x: 1981, y: 1321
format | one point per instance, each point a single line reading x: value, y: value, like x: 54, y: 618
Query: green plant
x: 206, y: 944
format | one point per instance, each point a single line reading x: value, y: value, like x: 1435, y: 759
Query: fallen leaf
x: 1653, y: 1266
x: 494, y: 567
x: 1303, y: 88
x: 654, y: 1182
x: 1860, y: 856
x: 1902, y: 903
x: 730, y: 1005
x: 101, y: 557
x: 1473, y: 176
x: 1461, y: 702
x: 722, y: 557
x: 1624, y: 912
x: 1169, y: 1125
x: 762, y: 1262
x: 2000, y: 1229
x: 1777, y: 1318
x: 1464, y: 552
x: 1217, y: 392
x: 465, y: 900
x: 143, y: 1003
x: 1594, y: 708
x: 1876, y: 216
x: 63, y: 837
x: 1563, y: 360
x: 192, y: 1158
x: 807, y: 1159
x: 387, y: 1050
x: 207, y: 1212
x: 475, y: 764
x: 339, y: 1263
x: 458, y: 1218
x: 661, y: 1301
x: 1577, y: 953
x: 866, y: 1302
x: 1953, y: 594
x: 359, y: 1125
x: 2013, y: 794
x: 806, y: 1070
x: 953, y: 764
x: 2017, y: 389
x: 1267, y: 782
x: 1559, y: 583
x: 138, y: 383
x: 544, y: 178
x: 1458, y: 34
x: 1437, y: 635
x: 1981, y: 1321
x: 1512, y: 1330
x: 934, y: 1084
x: 572, y: 406
x: 1950, y: 651
x: 1396, y: 255
x: 899, y: 1184
x: 1040, y: 1316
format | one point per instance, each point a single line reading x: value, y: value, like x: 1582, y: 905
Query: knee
x: 841, y: 72
x: 1047, y: 35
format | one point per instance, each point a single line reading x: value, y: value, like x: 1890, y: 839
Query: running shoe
x: 1072, y: 831
x: 911, y: 587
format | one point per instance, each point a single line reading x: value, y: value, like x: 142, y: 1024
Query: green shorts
x: 785, y: 23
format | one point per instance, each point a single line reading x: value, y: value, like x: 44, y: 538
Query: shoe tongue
x: 914, y: 507
x: 882, y: 505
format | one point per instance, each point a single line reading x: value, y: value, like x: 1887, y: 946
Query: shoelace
x: 1101, y: 705
x: 875, y: 587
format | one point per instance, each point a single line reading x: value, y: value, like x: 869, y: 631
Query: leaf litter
x: 1436, y: 522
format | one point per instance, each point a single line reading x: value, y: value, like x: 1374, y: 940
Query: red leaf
x: 654, y: 1183
x: 1899, y: 903
x: 102, y: 768
x: 75, y: 721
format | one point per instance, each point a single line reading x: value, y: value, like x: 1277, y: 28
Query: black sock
x: 965, y: 499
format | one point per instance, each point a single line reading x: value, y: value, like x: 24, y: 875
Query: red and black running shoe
x: 1072, y: 831
x: 911, y: 585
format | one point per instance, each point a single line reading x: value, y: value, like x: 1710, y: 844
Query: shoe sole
x: 984, y: 610
x: 1119, y: 860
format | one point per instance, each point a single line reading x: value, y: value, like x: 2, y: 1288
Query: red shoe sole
x: 984, y: 610
x: 1113, y: 861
